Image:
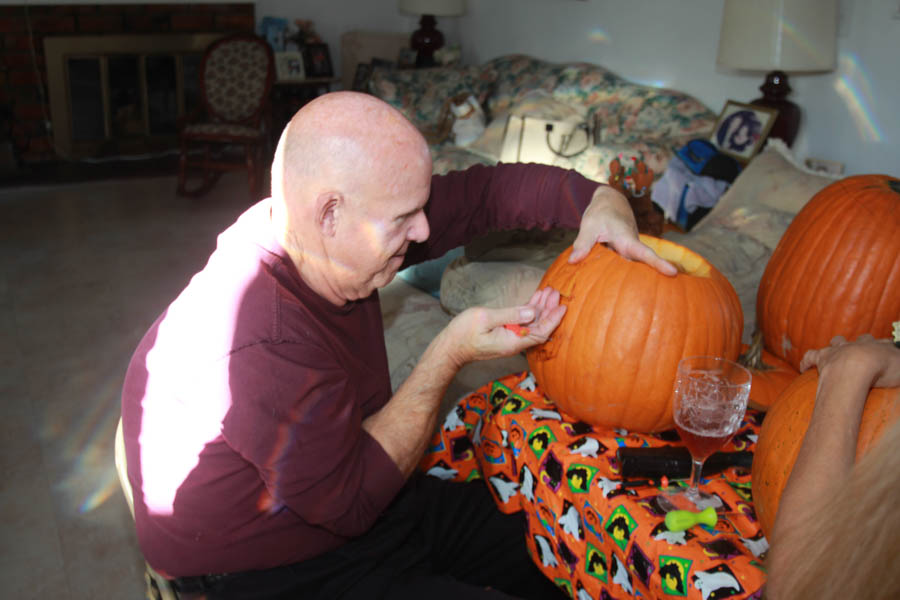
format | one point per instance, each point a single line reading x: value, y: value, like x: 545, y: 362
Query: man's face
x: 374, y: 234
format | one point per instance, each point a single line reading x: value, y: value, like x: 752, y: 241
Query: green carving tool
x: 679, y: 520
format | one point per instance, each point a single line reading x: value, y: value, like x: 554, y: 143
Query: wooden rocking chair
x: 236, y: 76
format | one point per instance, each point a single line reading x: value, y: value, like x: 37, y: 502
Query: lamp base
x: 426, y: 40
x: 775, y: 90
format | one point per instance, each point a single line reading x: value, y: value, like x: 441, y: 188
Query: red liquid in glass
x: 701, y: 446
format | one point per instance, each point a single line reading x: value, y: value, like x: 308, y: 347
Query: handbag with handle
x: 545, y: 141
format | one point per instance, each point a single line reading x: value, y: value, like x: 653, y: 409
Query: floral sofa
x: 632, y: 120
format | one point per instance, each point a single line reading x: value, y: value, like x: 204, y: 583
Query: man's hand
x: 609, y: 219
x: 479, y: 333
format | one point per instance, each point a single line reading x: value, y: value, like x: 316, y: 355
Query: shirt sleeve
x: 466, y: 204
x: 299, y: 422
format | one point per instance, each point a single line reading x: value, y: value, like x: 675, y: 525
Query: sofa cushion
x: 501, y: 269
x: 494, y: 284
x: 515, y: 76
x: 588, y: 85
x: 447, y: 157
x: 656, y: 114
x: 741, y: 231
x: 420, y: 94
x: 642, y: 113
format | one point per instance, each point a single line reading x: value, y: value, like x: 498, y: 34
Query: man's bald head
x: 341, y: 140
x: 350, y: 181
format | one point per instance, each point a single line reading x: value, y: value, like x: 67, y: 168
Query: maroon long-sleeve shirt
x: 243, y: 404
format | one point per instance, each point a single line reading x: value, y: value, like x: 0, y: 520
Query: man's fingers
x: 581, y: 247
x: 517, y: 315
x: 628, y: 247
x: 547, y: 298
x: 550, y: 320
x: 663, y: 266
x: 638, y: 250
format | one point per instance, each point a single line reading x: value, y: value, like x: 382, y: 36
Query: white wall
x: 850, y: 115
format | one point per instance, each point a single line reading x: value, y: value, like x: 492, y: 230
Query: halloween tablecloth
x: 593, y: 538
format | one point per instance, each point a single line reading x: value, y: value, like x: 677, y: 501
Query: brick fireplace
x: 112, y: 35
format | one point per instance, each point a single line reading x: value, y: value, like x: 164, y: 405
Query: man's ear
x: 329, y: 209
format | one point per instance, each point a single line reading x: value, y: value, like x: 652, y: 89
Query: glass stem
x: 696, y: 470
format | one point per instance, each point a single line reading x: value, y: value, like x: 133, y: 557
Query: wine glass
x: 709, y: 403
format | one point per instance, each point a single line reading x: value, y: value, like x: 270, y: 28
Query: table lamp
x: 427, y: 38
x: 779, y: 36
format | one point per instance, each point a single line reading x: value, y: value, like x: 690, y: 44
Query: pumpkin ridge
x: 735, y: 329
x: 835, y: 269
x: 655, y: 331
x: 857, y: 234
x: 684, y: 303
x: 821, y: 245
x: 795, y: 301
x: 564, y: 349
x: 612, y: 390
x: 633, y: 378
x: 892, y: 283
x: 825, y: 276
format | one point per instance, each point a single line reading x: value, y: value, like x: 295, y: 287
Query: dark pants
x: 436, y: 540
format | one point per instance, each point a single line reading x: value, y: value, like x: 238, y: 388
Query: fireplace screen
x: 123, y: 95
x: 86, y: 99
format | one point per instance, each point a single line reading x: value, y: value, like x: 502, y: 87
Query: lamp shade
x: 437, y: 8
x: 788, y: 35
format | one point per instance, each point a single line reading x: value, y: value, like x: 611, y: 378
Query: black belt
x: 199, y: 583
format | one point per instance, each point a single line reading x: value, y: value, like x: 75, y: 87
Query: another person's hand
x: 479, y: 333
x: 875, y: 362
x: 609, y: 219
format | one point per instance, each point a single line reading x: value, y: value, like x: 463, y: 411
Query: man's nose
x: 419, y: 230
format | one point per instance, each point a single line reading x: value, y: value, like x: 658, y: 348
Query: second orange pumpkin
x: 835, y: 270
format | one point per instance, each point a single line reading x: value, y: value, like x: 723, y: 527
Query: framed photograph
x: 274, y: 30
x: 361, y: 77
x: 289, y: 66
x: 317, y: 60
x: 741, y: 129
x: 406, y: 58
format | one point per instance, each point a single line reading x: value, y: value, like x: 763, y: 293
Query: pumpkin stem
x: 894, y: 184
x: 752, y: 358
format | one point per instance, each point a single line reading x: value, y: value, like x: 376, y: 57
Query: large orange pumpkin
x: 836, y: 269
x: 784, y: 428
x: 770, y: 375
x: 612, y: 360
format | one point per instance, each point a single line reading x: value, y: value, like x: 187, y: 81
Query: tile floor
x: 84, y: 269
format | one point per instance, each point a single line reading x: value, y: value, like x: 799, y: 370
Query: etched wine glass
x: 709, y: 403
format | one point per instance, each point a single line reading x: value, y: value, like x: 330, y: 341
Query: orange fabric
x: 594, y: 539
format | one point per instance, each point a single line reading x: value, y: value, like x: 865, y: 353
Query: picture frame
x: 741, y: 129
x: 317, y: 60
x: 406, y: 58
x: 274, y: 30
x: 289, y: 66
x: 361, y: 77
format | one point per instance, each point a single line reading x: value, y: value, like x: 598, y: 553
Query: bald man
x: 267, y: 454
